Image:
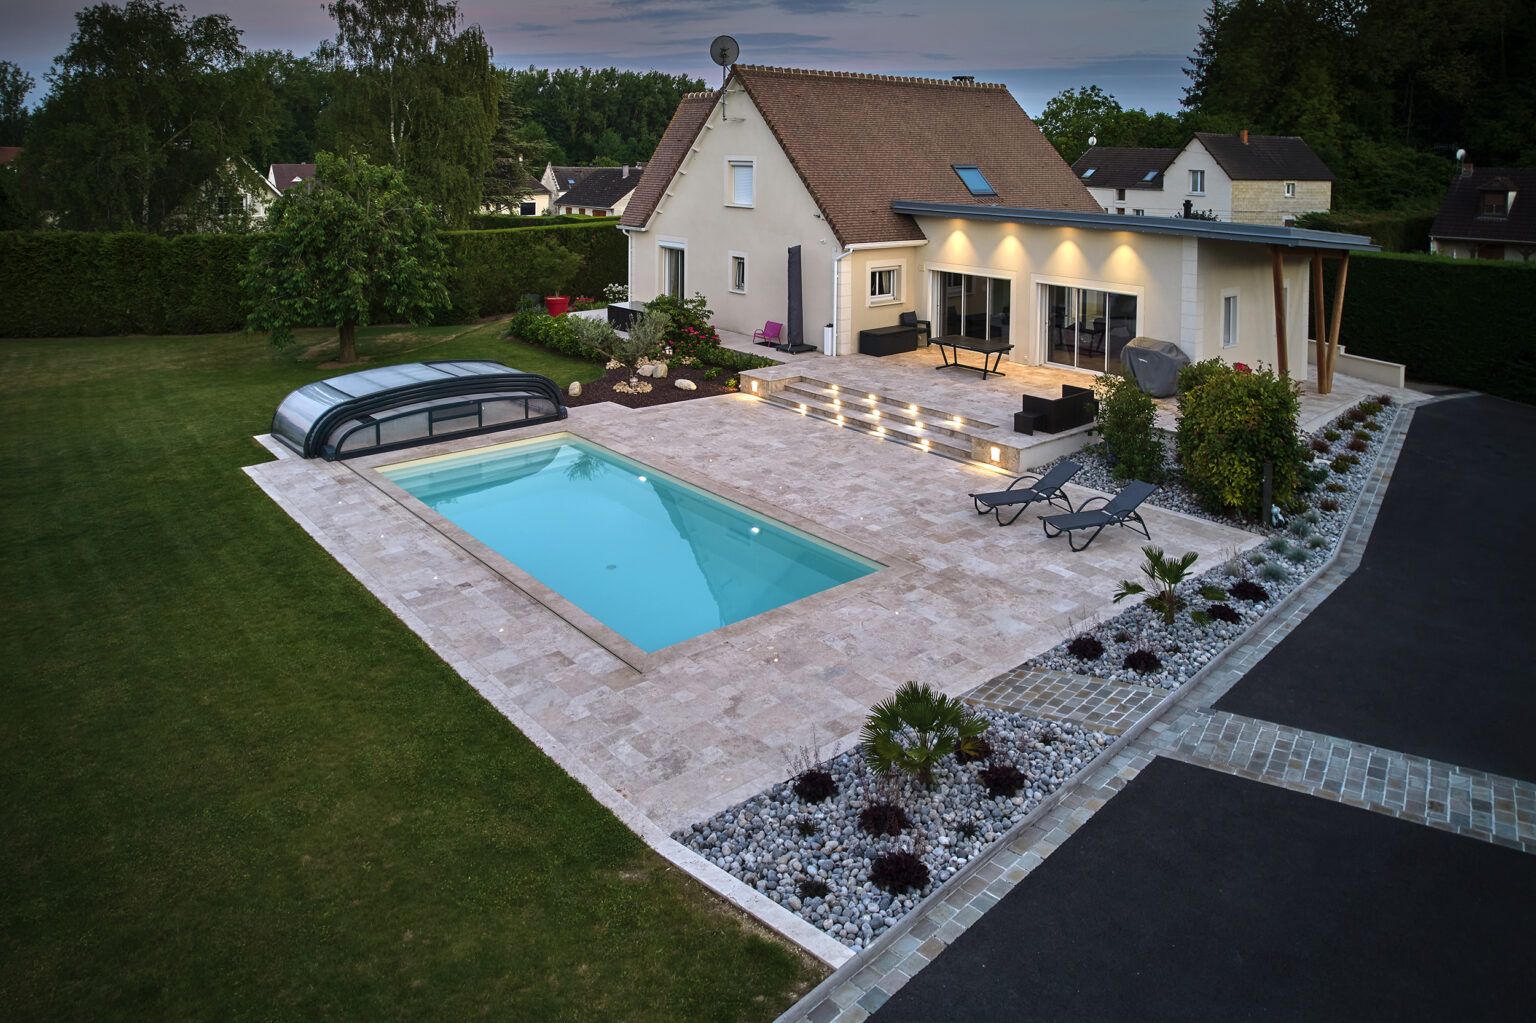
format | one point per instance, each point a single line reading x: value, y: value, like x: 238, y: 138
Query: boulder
x: 659, y: 370
x: 575, y: 389
x: 686, y: 385
x: 647, y: 370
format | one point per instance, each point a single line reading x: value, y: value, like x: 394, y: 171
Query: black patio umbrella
x: 794, y: 321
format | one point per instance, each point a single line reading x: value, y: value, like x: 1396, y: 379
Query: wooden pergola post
x: 1278, y: 262
x: 1320, y: 322
x: 1336, y: 321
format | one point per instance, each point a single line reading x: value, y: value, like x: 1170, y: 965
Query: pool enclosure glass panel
x: 1086, y: 328
x: 398, y: 406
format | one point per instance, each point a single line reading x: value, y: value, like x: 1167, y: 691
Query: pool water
x: 655, y: 559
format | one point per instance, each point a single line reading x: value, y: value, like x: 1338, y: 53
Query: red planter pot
x: 557, y: 305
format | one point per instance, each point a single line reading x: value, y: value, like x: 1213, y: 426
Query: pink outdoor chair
x: 769, y: 335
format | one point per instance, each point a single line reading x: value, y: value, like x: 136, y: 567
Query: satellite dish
x: 724, y: 51
x: 1461, y: 154
x: 1093, y: 140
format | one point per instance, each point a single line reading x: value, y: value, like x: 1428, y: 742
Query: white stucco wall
x: 695, y: 215
x: 1152, y: 201
x: 1227, y: 268
x: 1218, y: 187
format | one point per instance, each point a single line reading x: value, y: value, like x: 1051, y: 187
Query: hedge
x: 497, y: 221
x: 1393, y: 231
x: 70, y: 284
x: 1465, y: 323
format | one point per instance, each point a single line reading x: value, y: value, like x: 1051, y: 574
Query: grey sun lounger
x: 1046, y: 488
x: 1119, y: 511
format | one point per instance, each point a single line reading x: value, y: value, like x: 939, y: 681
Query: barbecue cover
x: 1154, y: 365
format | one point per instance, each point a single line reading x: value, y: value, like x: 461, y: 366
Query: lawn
x: 235, y: 786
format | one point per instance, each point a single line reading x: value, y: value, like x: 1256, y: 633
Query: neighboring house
x: 560, y: 180
x: 1247, y: 179
x: 1488, y: 214
x: 604, y: 192
x: 8, y: 153
x: 941, y: 198
x: 283, y: 176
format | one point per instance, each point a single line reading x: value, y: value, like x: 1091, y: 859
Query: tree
x: 575, y: 106
x: 145, y: 109
x: 356, y: 242
x: 14, y: 86
x: 413, y: 90
x: 1071, y: 116
x: 518, y: 153
x: 301, y: 89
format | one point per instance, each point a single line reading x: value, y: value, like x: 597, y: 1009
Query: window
x: 976, y: 182
x: 1119, y: 211
x: 1087, y: 328
x: 526, y: 209
x: 673, y: 270
x: 883, y: 282
x: 1138, y: 213
x: 972, y: 306
x: 1290, y: 189
x: 1120, y: 194
x: 1089, y: 173
x: 1229, y: 321
x: 739, y: 273
x: 1197, y: 182
x: 739, y: 183
x: 1150, y: 175
x: 1494, y: 204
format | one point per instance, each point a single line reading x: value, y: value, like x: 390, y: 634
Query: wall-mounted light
x: 997, y: 453
x: 754, y: 387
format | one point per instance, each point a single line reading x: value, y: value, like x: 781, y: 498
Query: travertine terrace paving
x: 961, y: 602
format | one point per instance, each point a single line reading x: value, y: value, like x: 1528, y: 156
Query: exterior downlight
x: 415, y: 403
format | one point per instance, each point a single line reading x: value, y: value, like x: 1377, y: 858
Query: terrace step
x: 887, y: 406
x: 881, y: 425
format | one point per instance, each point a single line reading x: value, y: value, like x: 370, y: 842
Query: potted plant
x: 557, y: 304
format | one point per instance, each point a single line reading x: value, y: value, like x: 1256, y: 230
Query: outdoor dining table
x: 991, y: 352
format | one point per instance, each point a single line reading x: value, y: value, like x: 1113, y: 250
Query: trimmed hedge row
x: 497, y: 221
x: 1465, y: 323
x: 1394, y: 232
x: 72, y: 283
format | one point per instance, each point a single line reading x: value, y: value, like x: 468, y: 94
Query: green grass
x: 235, y: 786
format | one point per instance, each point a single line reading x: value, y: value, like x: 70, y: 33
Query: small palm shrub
x: 1143, y: 662
x: 898, y: 871
x: 1003, y: 781
x: 1200, y: 618
x: 1165, y: 573
x: 884, y: 819
x: 1127, y: 420
x: 981, y: 749
x: 1247, y: 589
x: 1210, y: 592
x: 915, y: 729
x: 1230, y: 425
x: 1086, y: 648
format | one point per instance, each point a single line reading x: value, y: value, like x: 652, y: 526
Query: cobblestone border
x: 858, y: 988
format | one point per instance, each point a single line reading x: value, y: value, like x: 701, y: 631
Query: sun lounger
x: 1047, y: 488
x: 1119, y: 510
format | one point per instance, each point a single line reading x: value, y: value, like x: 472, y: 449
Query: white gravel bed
x: 1289, y: 555
x: 760, y: 840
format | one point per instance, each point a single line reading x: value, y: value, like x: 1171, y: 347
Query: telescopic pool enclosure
x: 415, y: 403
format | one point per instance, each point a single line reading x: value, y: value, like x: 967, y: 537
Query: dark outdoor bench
x: 892, y: 340
x: 622, y: 314
x: 991, y: 353
x: 1074, y: 408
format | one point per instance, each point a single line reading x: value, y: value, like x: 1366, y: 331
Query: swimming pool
x: 653, y: 558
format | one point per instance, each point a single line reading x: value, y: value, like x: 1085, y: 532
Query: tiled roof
x: 286, y: 175
x: 603, y: 188
x: 1460, y: 215
x: 675, y: 142
x: 8, y: 153
x: 1123, y: 167
x: 567, y: 178
x: 861, y: 141
x: 1265, y: 157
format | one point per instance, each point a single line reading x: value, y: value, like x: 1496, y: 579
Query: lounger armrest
x: 1084, y: 505
x: 1037, y: 477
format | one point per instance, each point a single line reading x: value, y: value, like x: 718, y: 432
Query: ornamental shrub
x: 556, y: 333
x: 1126, y: 419
x: 1230, y: 425
x: 897, y: 871
x: 884, y: 819
x: 1197, y: 373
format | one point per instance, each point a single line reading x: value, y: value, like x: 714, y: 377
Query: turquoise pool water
x: 655, y: 559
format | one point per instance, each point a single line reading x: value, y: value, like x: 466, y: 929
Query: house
x: 1248, y: 179
x: 950, y: 204
x: 283, y: 176
x: 1488, y: 214
x: 8, y: 153
x: 603, y: 192
x: 560, y: 180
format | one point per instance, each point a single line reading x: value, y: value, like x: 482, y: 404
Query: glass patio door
x: 1086, y: 328
x: 672, y: 267
x: 970, y: 306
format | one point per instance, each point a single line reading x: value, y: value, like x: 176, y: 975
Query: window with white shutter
x: 740, y: 183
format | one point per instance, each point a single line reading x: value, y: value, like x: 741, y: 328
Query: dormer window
x: 1495, y: 204
x: 1149, y: 175
x: 975, y: 181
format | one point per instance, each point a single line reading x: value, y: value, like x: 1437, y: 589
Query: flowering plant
x: 1242, y: 367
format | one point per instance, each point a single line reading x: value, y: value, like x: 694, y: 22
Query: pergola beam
x: 1320, y: 324
x: 1277, y: 261
x: 1337, y: 319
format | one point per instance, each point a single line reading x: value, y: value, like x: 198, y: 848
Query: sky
x: 1134, y: 49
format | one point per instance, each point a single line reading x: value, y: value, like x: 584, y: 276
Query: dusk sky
x: 1135, y: 50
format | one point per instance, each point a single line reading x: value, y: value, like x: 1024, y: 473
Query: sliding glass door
x: 967, y: 305
x: 1086, y: 328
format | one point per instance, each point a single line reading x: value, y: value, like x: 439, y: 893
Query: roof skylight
x: 974, y: 180
x: 1149, y: 175
x: 1089, y: 173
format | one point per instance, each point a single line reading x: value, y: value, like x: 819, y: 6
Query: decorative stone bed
x: 816, y: 859
x: 781, y: 844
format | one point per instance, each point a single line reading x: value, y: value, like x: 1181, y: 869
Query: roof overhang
x: 1252, y: 234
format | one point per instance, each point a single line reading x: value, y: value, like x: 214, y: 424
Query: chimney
x: 1466, y: 168
x: 1243, y: 135
x: 1189, y: 208
x: 963, y: 79
x: 625, y: 172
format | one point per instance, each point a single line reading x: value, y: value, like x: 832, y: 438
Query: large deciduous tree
x: 415, y: 89
x: 355, y: 243
x: 14, y: 86
x: 145, y: 109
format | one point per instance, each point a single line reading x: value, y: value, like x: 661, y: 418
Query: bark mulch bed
x: 662, y: 392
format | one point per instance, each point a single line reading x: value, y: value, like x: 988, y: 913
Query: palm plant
x: 915, y: 729
x: 1165, y: 573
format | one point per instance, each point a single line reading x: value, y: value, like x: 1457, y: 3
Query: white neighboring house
x: 602, y: 192
x: 942, y: 198
x: 1258, y: 179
